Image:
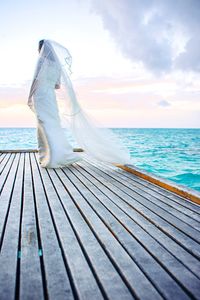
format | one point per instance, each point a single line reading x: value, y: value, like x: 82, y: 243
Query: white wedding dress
x: 54, y: 150
x: 53, y: 67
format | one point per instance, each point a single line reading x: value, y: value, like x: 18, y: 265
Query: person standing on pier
x: 53, y: 112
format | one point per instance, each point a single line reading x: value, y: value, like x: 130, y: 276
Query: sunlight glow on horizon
x: 118, y: 92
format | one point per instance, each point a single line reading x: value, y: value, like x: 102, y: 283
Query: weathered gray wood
x: 170, y: 195
x: 31, y: 285
x: 192, y: 210
x: 19, y: 151
x: 84, y: 282
x: 178, y: 189
x: 137, y: 203
x: 193, y: 215
x: 31, y: 150
x: 156, y: 199
x: 7, y: 193
x: 174, y: 248
x: 180, y: 200
x: 115, y: 219
x: 2, y: 157
x: 112, y: 234
x: 169, y: 211
x: 57, y: 280
x: 9, y: 249
x: 166, y: 214
x: 123, y: 262
x: 108, y: 278
x: 138, y: 251
x: 5, y: 172
x: 4, y: 161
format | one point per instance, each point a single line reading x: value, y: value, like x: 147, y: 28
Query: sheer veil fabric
x: 60, y: 110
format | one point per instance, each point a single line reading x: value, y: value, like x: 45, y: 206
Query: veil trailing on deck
x: 97, y: 142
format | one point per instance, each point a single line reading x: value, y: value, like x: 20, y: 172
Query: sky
x: 135, y: 63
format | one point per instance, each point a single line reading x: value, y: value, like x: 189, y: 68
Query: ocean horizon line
x: 172, y: 153
x: 120, y: 127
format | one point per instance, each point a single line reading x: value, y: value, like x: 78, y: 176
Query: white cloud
x: 163, y: 103
x: 162, y: 35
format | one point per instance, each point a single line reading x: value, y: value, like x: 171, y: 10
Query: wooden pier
x: 93, y: 231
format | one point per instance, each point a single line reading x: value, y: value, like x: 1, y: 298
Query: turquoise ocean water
x: 170, y: 153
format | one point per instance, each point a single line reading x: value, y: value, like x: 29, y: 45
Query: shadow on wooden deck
x: 92, y: 231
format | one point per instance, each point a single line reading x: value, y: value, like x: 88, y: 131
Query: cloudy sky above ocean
x: 135, y: 63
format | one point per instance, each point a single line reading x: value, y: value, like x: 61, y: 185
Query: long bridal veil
x: 98, y: 142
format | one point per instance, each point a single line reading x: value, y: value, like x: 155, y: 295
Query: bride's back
x: 49, y: 73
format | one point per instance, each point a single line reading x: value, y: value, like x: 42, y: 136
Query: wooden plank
x: 176, y: 201
x: 176, y: 219
x: 31, y: 150
x: 57, y: 281
x: 4, y: 163
x: 105, y: 274
x: 144, y: 248
x: 161, y: 190
x: 3, y: 156
x: 78, y: 150
x: 9, y: 249
x: 174, y: 248
x: 142, y: 220
x: 6, y: 194
x: 31, y: 283
x: 155, y: 198
x: 112, y: 248
x: 148, y: 201
x: 19, y: 151
x: 84, y: 283
x: 191, y: 213
x: 137, y: 203
x: 5, y: 171
x: 167, y: 184
x: 130, y: 272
